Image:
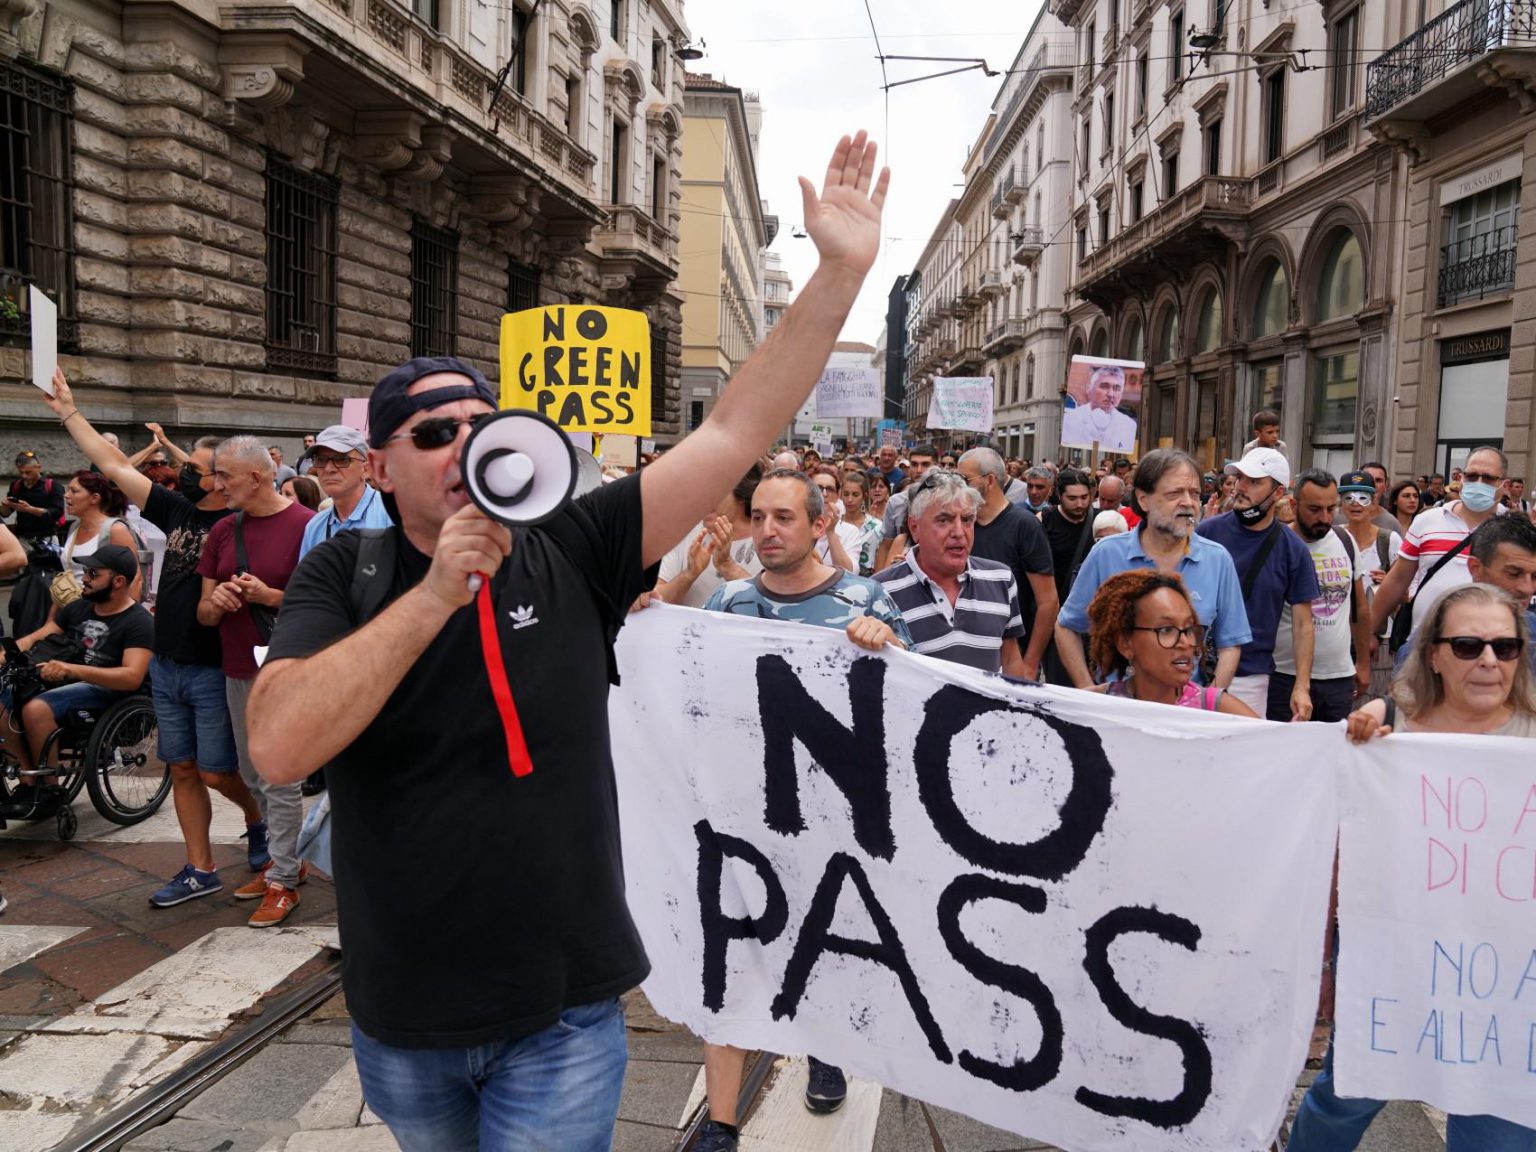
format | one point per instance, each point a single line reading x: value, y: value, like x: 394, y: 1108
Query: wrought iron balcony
x: 1461, y: 34
x: 1028, y: 244
x: 1472, y: 268
x: 1004, y: 338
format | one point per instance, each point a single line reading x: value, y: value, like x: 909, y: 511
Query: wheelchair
x: 111, y: 752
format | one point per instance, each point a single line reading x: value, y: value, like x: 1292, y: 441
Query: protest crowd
x: 225, y: 582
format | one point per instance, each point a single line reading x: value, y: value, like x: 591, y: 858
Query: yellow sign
x: 587, y: 368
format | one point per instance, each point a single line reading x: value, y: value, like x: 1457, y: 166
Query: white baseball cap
x: 1262, y: 462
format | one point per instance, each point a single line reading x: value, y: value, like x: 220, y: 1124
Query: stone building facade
x: 1235, y: 227
x: 248, y: 211
x: 725, y: 233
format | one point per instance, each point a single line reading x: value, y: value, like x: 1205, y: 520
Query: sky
x: 813, y: 64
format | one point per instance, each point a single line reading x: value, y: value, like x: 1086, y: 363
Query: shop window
x: 1341, y: 287
x: 1168, y: 337
x: 1336, y: 393
x: 1271, y: 307
x: 1208, y: 329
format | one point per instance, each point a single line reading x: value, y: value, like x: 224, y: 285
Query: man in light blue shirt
x: 1167, y: 485
x: 337, y: 462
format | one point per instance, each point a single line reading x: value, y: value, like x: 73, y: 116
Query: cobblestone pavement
x: 101, y: 996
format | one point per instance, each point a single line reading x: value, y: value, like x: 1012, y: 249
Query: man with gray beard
x: 1167, y: 485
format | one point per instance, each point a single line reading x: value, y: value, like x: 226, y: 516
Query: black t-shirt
x: 1064, y: 537
x: 475, y: 905
x: 1015, y: 538
x: 106, y: 638
x: 47, y: 494
x: 178, y: 635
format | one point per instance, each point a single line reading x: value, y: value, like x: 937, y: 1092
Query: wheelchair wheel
x: 68, y: 822
x: 122, y: 768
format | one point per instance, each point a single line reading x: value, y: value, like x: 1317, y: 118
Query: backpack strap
x: 1349, y: 549
x: 373, y: 571
x: 1251, y: 576
x: 1383, y: 550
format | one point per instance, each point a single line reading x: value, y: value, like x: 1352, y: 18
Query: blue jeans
x: 65, y: 699
x: 555, y: 1091
x: 193, y: 715
x: 1327, y: 1122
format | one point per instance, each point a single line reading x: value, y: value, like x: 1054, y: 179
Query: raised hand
x: 844, y: 221
x: 62, y: 402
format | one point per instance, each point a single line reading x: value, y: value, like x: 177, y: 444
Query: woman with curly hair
x: 1145, y: 640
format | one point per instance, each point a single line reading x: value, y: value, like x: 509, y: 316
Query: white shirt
x: 744, y: 552
x: 1112, y: 431
x: 1337, y: 579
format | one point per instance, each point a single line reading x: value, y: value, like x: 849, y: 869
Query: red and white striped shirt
x: 1433, y: 533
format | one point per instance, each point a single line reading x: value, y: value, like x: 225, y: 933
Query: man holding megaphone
x: 476, y: 839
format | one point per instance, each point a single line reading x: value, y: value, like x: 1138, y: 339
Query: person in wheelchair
x: 94, y: 650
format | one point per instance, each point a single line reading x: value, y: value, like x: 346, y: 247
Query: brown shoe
x: 257, y: 888
x: 276, y: 906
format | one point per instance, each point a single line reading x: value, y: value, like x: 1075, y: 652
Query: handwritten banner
x: 587, y: 368
x: 849, y: 392
x: 891, y: 432
x: 1096, y: 923
x: 1437, y: 925
x: 963, y: 403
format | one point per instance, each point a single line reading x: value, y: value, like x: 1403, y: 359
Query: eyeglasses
x: 341, y: 463
x: 828, y: 490
x: 92, y: 573
x: 1505, y: 648
x: 1481, y: 478
x: 438, y: 432
x: 1170, y: 637
x: 1359, y: 498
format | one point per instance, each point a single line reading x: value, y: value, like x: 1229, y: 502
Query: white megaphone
x: 519, y: 467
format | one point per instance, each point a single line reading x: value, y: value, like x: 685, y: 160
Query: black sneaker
x: 715, y: 1137
x: 826, y: 1088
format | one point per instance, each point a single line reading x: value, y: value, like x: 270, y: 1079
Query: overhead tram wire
x: 885, y: 87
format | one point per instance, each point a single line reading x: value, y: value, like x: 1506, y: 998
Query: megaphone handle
x: 501, y: 688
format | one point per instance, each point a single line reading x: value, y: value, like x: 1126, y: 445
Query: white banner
x: 1096, y: 923
x: 849, y: 392
x: 963, y: 403
x: 1437, y: 925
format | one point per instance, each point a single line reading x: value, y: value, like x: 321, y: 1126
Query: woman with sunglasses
x: 1145, y: 641
x: 1472, y: 678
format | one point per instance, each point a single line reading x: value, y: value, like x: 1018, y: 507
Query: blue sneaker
x: 188, y: 884
x: 255, y: 836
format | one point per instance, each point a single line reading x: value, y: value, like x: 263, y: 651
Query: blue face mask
x: 1478, y: 497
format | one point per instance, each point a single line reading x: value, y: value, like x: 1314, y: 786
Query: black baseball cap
x: 25, y: 457
x: 391, y: 405
x: 116, y: 557
x: 1356, y: 482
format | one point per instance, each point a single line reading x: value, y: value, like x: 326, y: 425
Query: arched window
x: 1341, y: 287
x: 1134, y: 341
x: 1101, y: 343
x: 1168, y: 336
x: 1208, y: 331
x: 1029, y: 377
x: 1271, y: 307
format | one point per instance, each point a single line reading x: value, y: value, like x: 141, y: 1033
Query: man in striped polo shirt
x: 957, y: 607
x: 1422, y: 571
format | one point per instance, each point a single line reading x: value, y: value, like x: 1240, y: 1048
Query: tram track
x: 156, y: 1105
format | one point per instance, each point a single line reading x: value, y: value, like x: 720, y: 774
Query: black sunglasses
x: 438, y: 432
x: 1505, y: 648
